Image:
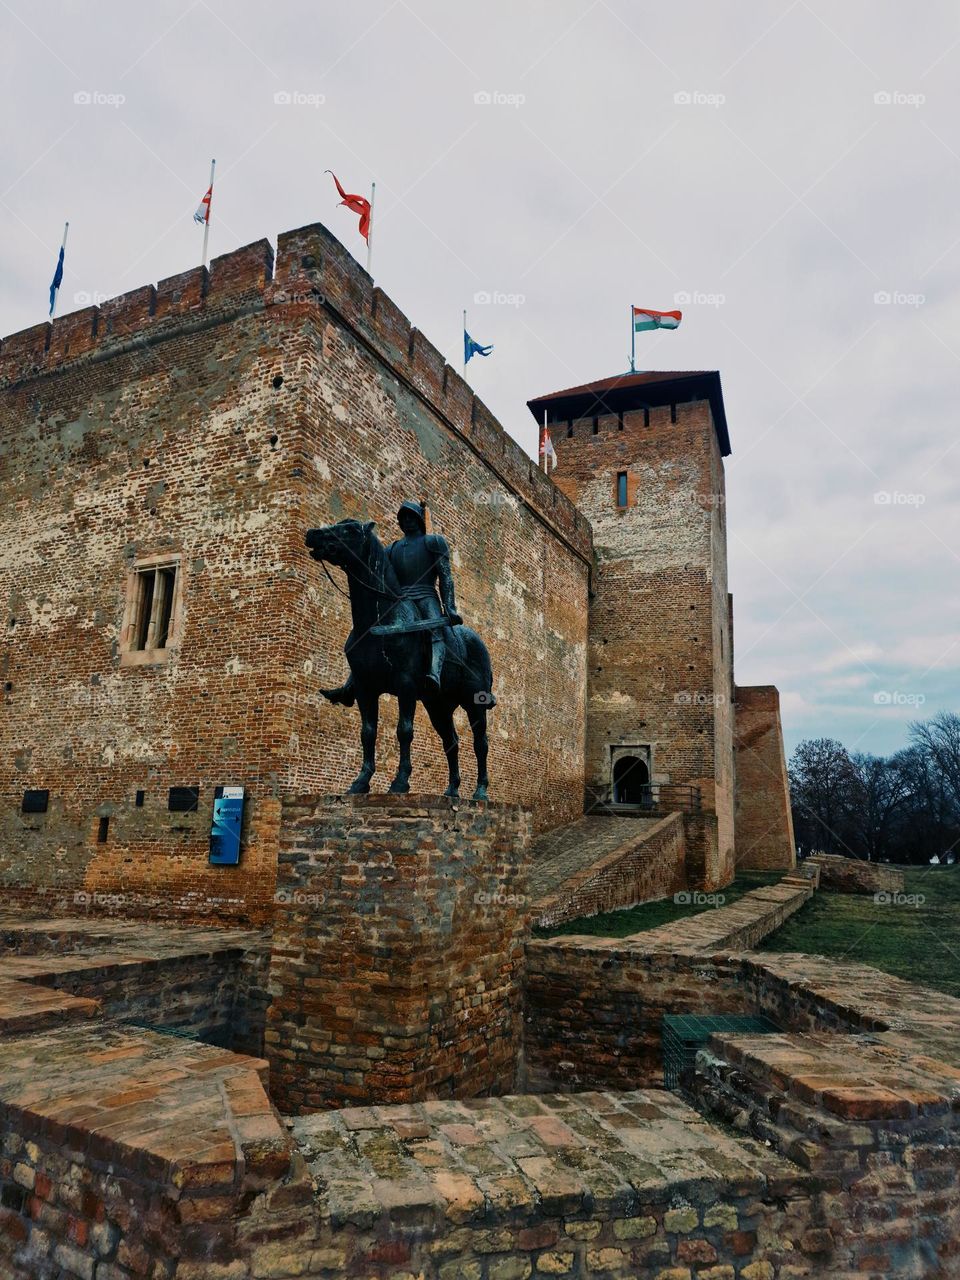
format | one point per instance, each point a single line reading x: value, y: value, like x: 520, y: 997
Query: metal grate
x: 685, y: 1033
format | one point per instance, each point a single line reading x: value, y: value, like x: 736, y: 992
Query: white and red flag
x: 203, y: 208
x: 548, y: 457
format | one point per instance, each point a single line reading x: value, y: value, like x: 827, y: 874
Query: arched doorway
x: 631, y: 781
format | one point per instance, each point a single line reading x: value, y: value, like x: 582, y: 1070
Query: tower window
x: 152, y: 617
x: 596, y: 426
x: 569, y: 428
x: 35, y: 802
x: 621, y: 488
x: 646, y: 417
x: 183, y: 799
x: 620, y: 420
x: 103, y: 830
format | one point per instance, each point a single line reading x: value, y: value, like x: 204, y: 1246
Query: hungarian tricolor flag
x: 644, y: 319
x: 357, y: 204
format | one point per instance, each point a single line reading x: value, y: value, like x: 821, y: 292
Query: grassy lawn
x: 920, y: 943
x: 619, y: 924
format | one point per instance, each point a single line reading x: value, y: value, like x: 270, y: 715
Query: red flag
x: 357, y: 204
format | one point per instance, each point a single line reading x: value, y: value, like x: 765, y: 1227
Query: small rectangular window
x: 621, y: 488
x: 184, y: 799
x: 35, y: 801
x: 139, y: 799
x: 596, y: 426
x: 152, y: 615
x: 103, y: 830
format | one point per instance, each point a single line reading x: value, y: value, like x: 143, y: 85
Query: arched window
x: 631, y: 781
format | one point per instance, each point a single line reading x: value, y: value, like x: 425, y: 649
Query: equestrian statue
x: 407, y: 640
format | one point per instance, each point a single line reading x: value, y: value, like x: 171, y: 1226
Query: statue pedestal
x: 397, y: 950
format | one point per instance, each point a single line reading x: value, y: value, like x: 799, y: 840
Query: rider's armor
x: 421, y: 563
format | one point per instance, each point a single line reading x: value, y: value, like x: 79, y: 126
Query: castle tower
x: 641, y: 455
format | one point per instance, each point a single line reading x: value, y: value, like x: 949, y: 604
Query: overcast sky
x: 793, y: 168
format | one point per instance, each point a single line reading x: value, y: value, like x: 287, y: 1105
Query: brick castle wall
x: 397, y: 949
x: 764, y: 821
x: 216, y: 417
x: 660, y: 650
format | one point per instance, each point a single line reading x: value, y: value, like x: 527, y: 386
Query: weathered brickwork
x: 764, y: 821
x: 660, y: 662
x: 649, y: 864
x: 593, y: 1008
x: 214, y: 419
x: 397, y: 949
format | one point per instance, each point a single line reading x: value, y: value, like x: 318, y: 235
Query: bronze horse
x: 397, y: 663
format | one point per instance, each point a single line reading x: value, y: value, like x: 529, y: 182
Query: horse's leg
x: 407, y: 704
x: 441, y: 717
x: 478, y: 723
x: 369, y: 715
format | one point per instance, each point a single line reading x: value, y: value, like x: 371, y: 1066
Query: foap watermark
x: 483, y: 699
x: 297, y: 898
x: 496, y: 498
x: 298, y: 98
x: 895, y: 498
x: 498, y: 298
x: 86, y: 299
x: 497, y: 98
x: 499, y: 899
x: 897, y: 698
x: 898, y: 298
x: 699, y: 698
x: 883, y: 899
x: 698, y: 299
x: 695, y: 898
x: 692, y: 498
x: 898, y: 98
x: 97, y: 98
x: 83, y: 899
x: 284, y: 295
x: 698, y: 98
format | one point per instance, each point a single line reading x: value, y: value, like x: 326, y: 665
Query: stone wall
x: 764, y: 821
x: 213, y: 419
x: 649, y: 865
x: 593, y: 1007
x: 660, y: 649
x: 397, y: 950
x: 851, y: 875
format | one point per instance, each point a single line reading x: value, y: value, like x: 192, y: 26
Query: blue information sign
x: 225, y: 831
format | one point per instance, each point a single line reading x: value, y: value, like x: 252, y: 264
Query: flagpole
x: 633, y: 342
x: 464, y: 343
x: 206, y: 225
x: 63, y: 250
x: 373, y: 192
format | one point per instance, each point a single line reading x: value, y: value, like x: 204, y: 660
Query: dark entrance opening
x: 631, y: 781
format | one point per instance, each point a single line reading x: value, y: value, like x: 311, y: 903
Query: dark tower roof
x: 638, y: 391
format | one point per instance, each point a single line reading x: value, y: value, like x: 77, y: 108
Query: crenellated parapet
x: 313, y: 269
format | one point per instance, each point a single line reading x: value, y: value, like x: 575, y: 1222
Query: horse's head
x: 346, y: 543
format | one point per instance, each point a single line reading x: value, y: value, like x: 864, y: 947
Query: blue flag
x: 57, y: 279
x: 471, y: 348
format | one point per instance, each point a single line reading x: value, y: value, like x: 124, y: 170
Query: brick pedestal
x: 397, y: 950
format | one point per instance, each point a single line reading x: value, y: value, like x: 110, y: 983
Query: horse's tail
x: 480, y: 667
